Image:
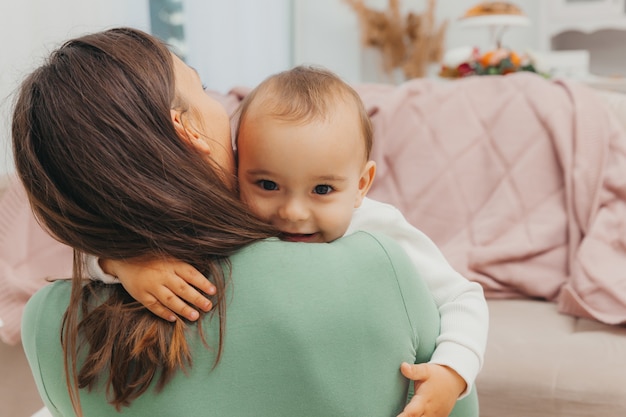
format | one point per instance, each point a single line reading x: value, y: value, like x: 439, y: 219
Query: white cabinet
x: 595, y: 27
x: 584, y: 9
x: 588, y: 16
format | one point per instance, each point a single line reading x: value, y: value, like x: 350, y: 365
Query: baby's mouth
x: 299, y: 237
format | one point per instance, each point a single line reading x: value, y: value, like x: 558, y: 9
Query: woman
x: 124, y: 156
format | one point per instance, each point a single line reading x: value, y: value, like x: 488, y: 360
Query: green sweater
x: 312, y: 330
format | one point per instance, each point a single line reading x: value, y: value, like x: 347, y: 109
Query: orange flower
x: 487, y: 58
x: 515, y: 59
x: 493, y: 58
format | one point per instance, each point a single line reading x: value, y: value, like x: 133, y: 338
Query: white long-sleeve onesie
x: 461, y: 303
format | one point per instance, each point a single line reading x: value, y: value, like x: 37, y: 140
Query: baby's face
x: 305, y: 178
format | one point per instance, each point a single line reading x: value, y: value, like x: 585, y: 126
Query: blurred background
x: 240, y: 42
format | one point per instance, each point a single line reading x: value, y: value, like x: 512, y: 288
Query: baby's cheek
x: 245, y: 193
x: 255, y: 206
x: 340, y: 223
x: 259, y: 212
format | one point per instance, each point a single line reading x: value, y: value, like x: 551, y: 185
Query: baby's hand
x: 165, y: 287
x: 437, y: 388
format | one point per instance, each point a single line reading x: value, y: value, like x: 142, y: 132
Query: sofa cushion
x: 540, y: 363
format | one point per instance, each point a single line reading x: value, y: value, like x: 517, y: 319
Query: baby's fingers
x: 171, y: 302
x: 178, y: 300
x: 157, y: 308
x: 193, y: 277
x: 189, y: 294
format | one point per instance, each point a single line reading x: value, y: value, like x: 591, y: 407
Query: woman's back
x: 301, y: 338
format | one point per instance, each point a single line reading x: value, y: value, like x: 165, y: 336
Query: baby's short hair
x: 305, y: 93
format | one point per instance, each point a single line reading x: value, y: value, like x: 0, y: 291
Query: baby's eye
x: 322, y: 189
x: 268, y: 185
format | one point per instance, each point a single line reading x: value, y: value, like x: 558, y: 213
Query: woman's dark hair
x: 106, y: 173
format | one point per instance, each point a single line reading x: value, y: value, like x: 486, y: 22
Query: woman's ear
x: 188, y: 134
x: 365, y: 182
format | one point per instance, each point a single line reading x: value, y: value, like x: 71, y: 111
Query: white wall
x: 30, y: 29
x: 237, y: 42
x: 326, y: 33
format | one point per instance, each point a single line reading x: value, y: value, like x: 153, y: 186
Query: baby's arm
x: 461, y: 303
x: 164, y: 286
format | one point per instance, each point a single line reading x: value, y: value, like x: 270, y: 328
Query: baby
x: 304, y: 141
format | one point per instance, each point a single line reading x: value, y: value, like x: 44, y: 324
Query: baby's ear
x: 365, y: 182
x: 187, y: 134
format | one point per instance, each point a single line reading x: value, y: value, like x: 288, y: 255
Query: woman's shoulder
x: 54, y: 294
x: 41, y: 328
x: 375, y: 244
x: 42, y: 316
x: 43, y: 309
x: 365, y: 245
x: 351, y: 259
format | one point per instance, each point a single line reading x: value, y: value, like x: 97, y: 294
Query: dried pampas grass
x: 410, y: 43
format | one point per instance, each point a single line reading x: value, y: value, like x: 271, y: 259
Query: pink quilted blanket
x: 519, y: 180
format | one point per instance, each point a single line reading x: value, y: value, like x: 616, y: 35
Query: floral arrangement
x: 500, y: 61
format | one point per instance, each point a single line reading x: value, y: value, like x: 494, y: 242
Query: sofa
x: 521, y: 181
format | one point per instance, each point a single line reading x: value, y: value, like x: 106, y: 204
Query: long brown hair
x: 107, y: 174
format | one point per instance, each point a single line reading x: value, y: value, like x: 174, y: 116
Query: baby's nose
x: 294, y: 210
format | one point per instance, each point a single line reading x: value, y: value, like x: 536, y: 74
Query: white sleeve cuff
x: 96, y: 273
x: 462, y: 360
